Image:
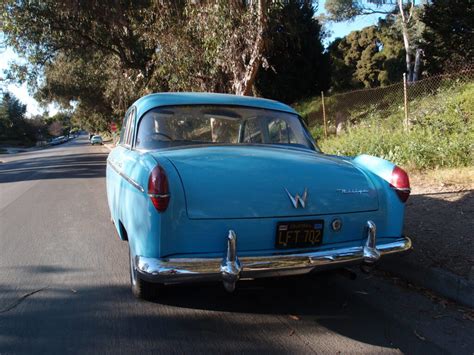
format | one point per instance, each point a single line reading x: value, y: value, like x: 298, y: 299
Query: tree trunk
x: 416, y: 70
x: 243, y: 82
x: 406, y: 41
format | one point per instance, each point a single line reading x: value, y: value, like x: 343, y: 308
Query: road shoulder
x: 439, y: 220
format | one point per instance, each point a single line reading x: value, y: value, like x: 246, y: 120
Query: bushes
x: 441, y: 133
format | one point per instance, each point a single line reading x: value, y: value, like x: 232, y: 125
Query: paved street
x: 64, y: 285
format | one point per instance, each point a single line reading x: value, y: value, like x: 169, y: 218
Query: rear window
x: 191, y: 125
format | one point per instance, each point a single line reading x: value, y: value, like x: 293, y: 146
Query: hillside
x: 441, y: 130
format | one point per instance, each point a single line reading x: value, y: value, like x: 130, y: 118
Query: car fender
x: 148, y: 228
x: 380, y: 172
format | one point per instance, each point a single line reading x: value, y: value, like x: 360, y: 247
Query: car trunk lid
x: 262, y: 181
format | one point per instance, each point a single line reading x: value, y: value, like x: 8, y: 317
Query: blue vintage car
x: 222, y: 187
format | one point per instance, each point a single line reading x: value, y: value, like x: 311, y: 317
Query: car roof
x: 151, y: 101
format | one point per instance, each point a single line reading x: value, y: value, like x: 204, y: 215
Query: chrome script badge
x: 353, y: 191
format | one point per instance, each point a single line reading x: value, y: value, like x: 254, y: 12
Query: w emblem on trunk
x: 297, y: 199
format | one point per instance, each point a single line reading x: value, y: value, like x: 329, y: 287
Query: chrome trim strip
x: 131, y: 181
x: 181, y: 270
x: 404, y: 189
x: 159, y: 195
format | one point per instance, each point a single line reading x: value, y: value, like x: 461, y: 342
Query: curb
x: 442, y: 282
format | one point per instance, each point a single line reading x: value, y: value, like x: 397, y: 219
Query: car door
x: 119, y: 167
x: 132, y: 199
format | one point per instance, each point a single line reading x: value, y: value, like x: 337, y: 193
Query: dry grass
x: 443, y: 180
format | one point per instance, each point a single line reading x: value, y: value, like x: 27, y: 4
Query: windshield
x: 190, y: 125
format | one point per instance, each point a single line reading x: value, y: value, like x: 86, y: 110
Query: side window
x: 126, y: 135
x: 130, y: 128
x: 123, y: 130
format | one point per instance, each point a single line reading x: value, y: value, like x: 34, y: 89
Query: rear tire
x: 142, y: 289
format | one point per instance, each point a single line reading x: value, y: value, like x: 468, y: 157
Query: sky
x: 343, y: 28
x: 7, y: 55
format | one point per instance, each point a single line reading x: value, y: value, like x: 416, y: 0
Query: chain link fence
x: 334, y: 112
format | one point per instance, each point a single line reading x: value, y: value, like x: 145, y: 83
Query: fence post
x: 324, y: 116
x: 405, y: 101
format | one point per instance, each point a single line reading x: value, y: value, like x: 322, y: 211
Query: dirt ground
x: 440, y: 220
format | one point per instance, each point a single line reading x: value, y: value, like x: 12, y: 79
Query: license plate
x: 303, y: 234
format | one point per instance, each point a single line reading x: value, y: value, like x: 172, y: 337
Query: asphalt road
x: 64, y: 286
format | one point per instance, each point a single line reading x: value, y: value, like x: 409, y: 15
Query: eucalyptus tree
x: 404, y: 10
x: 370, y: 57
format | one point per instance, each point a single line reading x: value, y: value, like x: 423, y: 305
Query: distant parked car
x: 63, y: 139
x: 96, y: 140
x: 222, y: 187
x: 56, y: 141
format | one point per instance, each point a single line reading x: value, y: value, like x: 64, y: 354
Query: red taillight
x: 400, y: 183
x: 158, y: 189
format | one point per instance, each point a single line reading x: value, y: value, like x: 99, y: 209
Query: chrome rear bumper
x: 231, y: 268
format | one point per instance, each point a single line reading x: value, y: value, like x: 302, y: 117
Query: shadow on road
x: 441, y: 226
x: 43, y: 269
x: 74, y: 166
x: 282, y: 316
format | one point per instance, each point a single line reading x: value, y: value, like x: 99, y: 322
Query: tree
x: 448, y: 34
x: 85, y: 85
x: 248, y: 46
x: 14, y: 126
x: 297, y: 65
x: 106, y: 54
x: 98, y: 57
x: 55, y: 128
x: 12, y: 112
x: 370, y: 57
x: 344, y: 10
x: 230, y: 40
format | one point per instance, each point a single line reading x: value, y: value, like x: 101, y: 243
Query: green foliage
x: 406, y: 19
x: 343, y: 10
x: 297, y: 66
x: 99, y: 57
x: 448, y: 35
x: 371, y: 57
x: 307, y: 107
x: 347, y: 10
x: 441, y: 133
x: 15, y: 128
x: 89, y: 84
